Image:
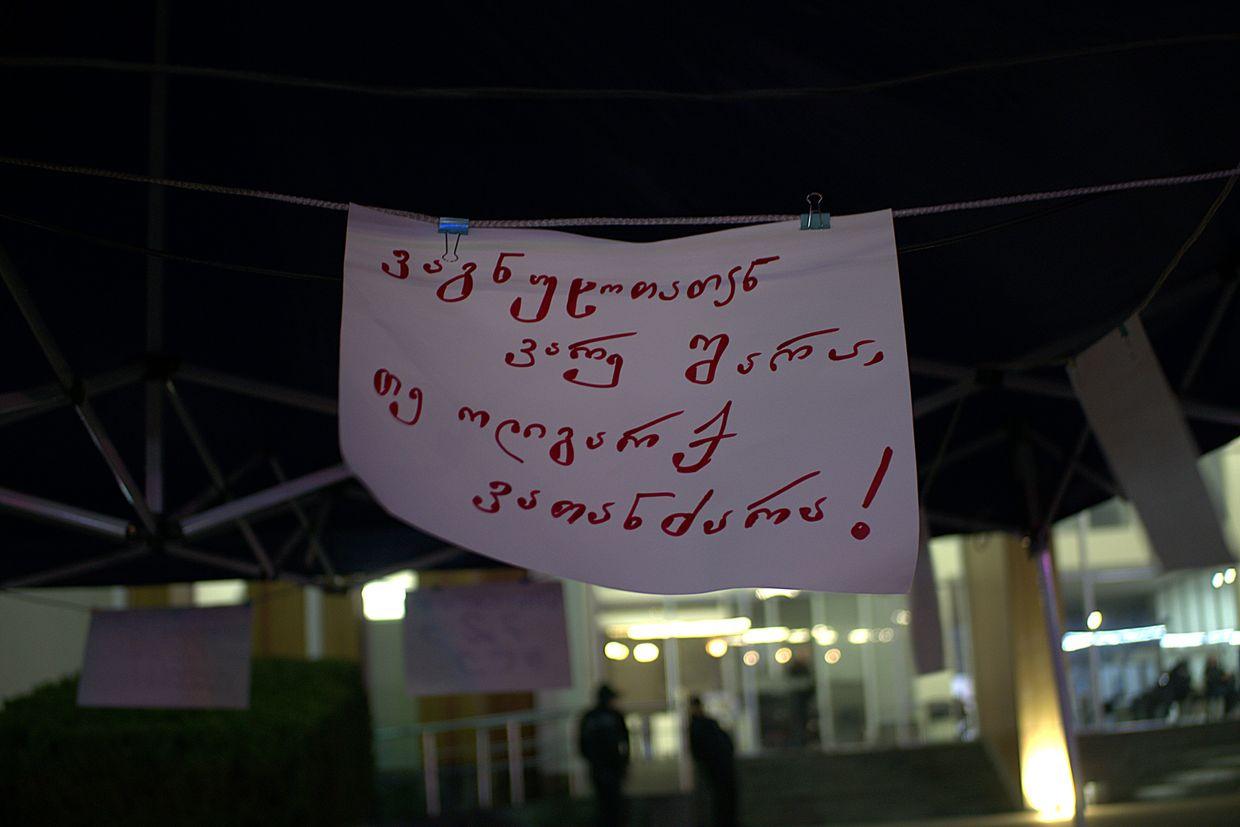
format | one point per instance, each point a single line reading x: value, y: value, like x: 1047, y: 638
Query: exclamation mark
x: 861, y: 530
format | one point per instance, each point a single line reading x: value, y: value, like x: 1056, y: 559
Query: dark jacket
x: 604, y: 740
x: 710, y: 746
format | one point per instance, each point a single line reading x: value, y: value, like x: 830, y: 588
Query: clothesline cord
x: 520, y: 93
x: 711, y: 220
x: 91, y: 238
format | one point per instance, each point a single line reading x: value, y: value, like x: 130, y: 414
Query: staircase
x: 1164, y: 762
x: 808, y: 788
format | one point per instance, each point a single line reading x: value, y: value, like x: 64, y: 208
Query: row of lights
x: 642, y: 652
x: 717, y: 647
x: 783, y: 655
x: 737, y: 630
x: 1075, y: 641
x: 649, y: 652
x: 1221, y: 577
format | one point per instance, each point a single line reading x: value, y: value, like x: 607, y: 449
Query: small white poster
x: 494, y: 637
x: 724, y: 410
x: 168, y: 659
x: 1152, y: 454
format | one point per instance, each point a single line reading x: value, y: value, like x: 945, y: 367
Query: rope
x: 103, y: 241
x: 684, y: 221
x: 92, y: 172
x: 90, y: 238
x: 1074, y: 192
x: 527, y: 93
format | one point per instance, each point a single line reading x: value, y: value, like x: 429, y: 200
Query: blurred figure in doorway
x: 1218, y: 687
x: 1179, y: 686
x: 800, y: 701
x: 714, y: 756
x: 604, y: 743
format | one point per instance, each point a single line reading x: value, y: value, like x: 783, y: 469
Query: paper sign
x: 168, y: 659
x: 1142, y: 431
x: 724, y: 410
x: 926, y: 621
x: 496, y: 637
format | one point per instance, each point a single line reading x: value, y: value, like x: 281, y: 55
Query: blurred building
x: 783, y: 670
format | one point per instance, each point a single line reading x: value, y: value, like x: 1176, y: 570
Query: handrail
x: 484, y: 750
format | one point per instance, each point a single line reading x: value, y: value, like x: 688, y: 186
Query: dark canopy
x: 722, y: 115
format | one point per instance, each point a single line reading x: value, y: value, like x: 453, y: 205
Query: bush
x: 300, y: 755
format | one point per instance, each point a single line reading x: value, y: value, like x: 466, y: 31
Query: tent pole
x: 67, y: 515
x: 1026, y: 472
x: 72, y: 389
x: 249, y: 570
x: 211, y: 493
x: 262, y: 500
x: 153, y: 444
x: 1054, y: 633
x: 291, y: 543
x: 975, y: 446
x: 930, y: 403
x: 17, y: 405
x: 1207, y: 336
x: 217, y: 476
x: 1073, y: 462
x: 63, y: 572
x: 1056, y: 389
x: 32, y: 401
x: 313, y: 530
x: 259, y: 390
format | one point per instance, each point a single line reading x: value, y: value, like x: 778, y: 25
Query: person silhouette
x: 604, y: 743
x: 714, y: 755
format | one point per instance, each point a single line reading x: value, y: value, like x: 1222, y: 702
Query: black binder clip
x: 815, y: 219
x: 453, y: 226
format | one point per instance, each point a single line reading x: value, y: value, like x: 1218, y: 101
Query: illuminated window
x: 384, y: 599
x: 218, y: 593
x: 824, y: 635
x: 767, y: 594
x: 859, y: 636
x: 766, y: 634
x: 645, y: 652
x: 663, y: 630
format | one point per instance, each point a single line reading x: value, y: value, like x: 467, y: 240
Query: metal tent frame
x: 150, y: 529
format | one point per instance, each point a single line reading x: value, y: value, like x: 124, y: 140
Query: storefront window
x: 781, y: 669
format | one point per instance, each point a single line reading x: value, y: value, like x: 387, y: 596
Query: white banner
x: 493, y: 637
x: 725, y: 410
x: 168, y: 659
x: 1152, y: 454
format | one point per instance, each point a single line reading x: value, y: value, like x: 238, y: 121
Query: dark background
x: 1022, y: 296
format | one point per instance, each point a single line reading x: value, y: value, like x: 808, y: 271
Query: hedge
x: 301, y: 755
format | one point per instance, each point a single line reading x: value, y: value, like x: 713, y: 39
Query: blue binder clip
x: 453, y: 226
x: 815, y: 219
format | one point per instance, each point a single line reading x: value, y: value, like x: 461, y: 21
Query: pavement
x: 1205, y: 811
